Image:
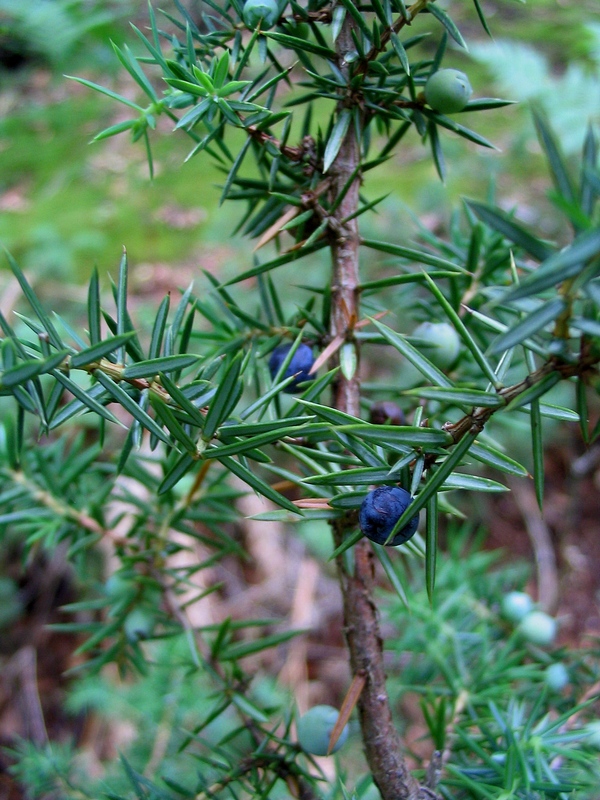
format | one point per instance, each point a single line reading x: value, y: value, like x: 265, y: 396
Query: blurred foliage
x: 526, y: 74
x: 52, y: 32
x: 103, y: 195
x: 481, y: 686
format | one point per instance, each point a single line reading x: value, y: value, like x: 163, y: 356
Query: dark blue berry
x: 380, y: 511
x: 385, y: 412
x: 300, y: 365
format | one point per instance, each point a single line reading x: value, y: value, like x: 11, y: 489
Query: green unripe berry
x: 441, y: 343
x: 260, y: 12
x: 448, y: 91
x: 371, y: 793
x: 314, y: 730
x: 120, y: 583
x: 516, y: 605
x: 592, y: 730
x: 139, y: 624
x: 556, y: 676
x: 538, y: 628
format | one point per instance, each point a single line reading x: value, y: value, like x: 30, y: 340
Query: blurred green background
x: 67, y: 204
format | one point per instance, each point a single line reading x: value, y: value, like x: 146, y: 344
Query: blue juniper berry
x: 380, y: 511
x: 301, y: 362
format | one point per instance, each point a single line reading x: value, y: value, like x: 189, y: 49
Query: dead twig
x: 21, y: 671
x: 541, y: 542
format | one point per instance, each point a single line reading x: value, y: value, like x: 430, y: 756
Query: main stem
x: 380, y: 737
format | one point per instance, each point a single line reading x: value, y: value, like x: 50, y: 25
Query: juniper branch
x: 363, y: 635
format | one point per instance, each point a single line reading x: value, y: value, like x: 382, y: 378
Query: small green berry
x: 260, y: 12
x: 448, y: 91
x: 139, y: 624
x: 120, y: 583
x: 556, y: 676
x: 314, y: 730
x: 538, y: 628
x: 592, y: 731
x: 441, y: 343
x: 516, y: 605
